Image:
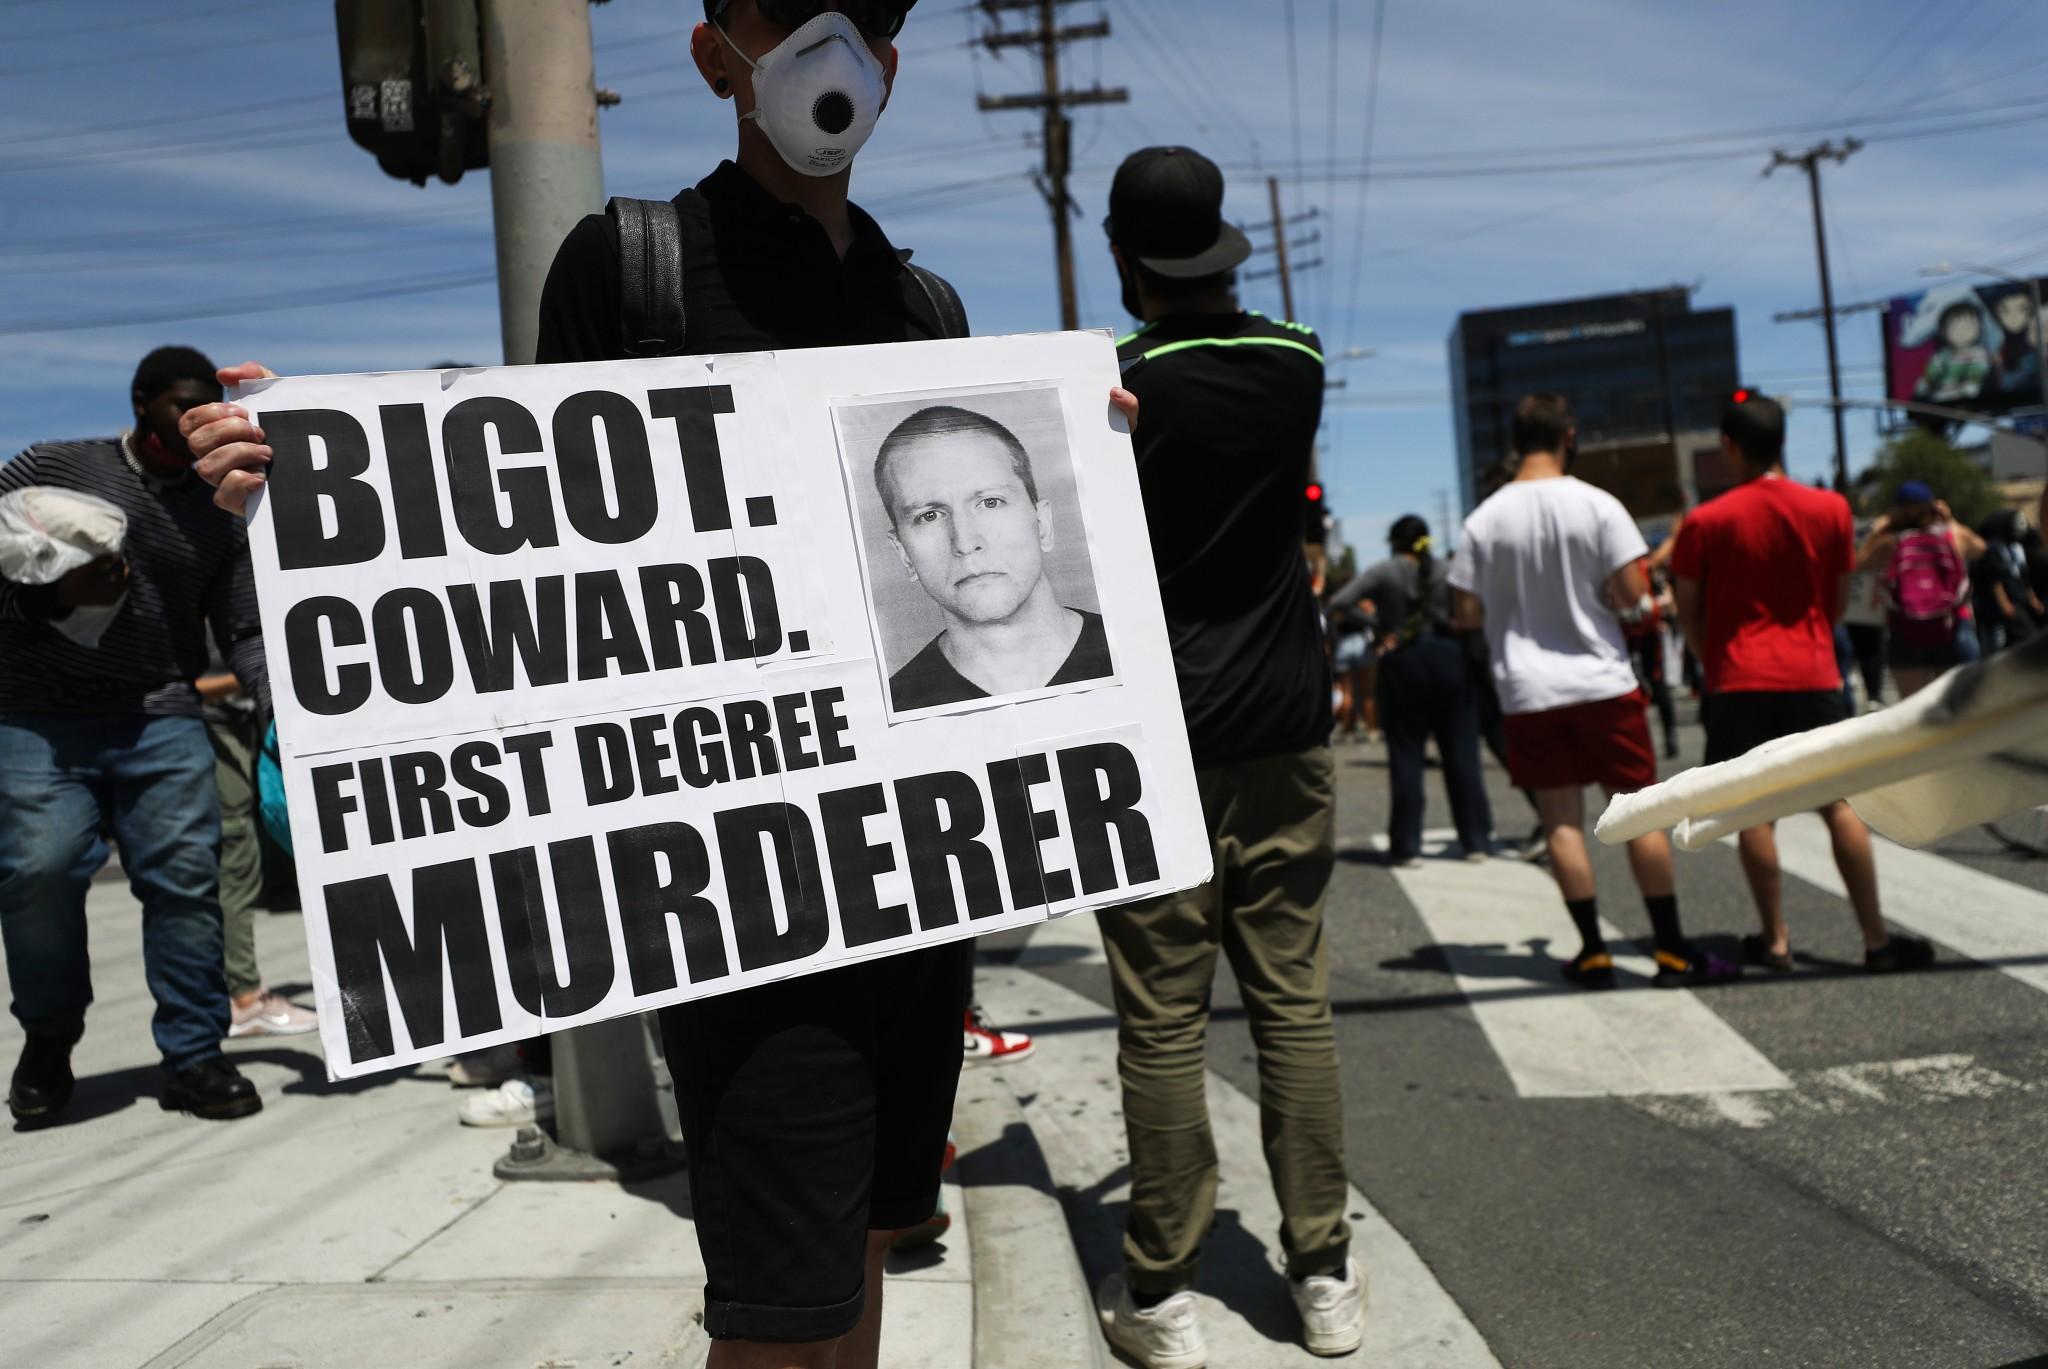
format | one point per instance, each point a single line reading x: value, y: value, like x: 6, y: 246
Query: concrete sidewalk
x: 357, y: 1224
x: 352, y: 1223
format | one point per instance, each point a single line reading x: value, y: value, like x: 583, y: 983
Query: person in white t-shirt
x: 1549, y: 566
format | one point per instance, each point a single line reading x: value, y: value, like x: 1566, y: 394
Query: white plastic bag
x: 46, y: 533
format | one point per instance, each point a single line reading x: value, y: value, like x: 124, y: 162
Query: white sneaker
x: 272, y: 1014
x: 514, y: 1103
x: 1164, y: 1337
x: 1332, y: 1310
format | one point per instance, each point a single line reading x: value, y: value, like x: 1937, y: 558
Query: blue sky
x: 221, y: 174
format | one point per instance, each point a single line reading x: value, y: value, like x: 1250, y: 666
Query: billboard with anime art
x: 1965, y: 346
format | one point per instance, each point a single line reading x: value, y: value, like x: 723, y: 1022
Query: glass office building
x: 1646, y: 374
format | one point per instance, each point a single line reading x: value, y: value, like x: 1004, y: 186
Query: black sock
x: 1664, y: 925
x: 1145, y: 1302
x: 1586, y: 917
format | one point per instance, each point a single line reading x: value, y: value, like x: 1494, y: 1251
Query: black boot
x: 212, y: 1088
x: 42, y: 1082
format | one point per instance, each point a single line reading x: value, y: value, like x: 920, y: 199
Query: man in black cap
x: 111, y: 728
x: 1231, y: 401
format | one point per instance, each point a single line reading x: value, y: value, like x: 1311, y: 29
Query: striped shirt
x: 188, y: 571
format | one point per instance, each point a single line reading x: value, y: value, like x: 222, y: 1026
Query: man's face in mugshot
x: 966, y: 527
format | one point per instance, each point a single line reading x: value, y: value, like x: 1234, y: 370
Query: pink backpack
x: 1927, y: 584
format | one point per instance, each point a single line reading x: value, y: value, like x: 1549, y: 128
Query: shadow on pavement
x: 672, y: 1191
x: 1430, y: 959
x: 102, y: 1095
x: 111, y: 1091
x: 312, y: 1071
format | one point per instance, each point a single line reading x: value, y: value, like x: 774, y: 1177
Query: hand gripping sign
x: 608, y: 686
x: 1969, y: 749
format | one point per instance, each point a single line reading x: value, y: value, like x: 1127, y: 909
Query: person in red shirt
x: 1762, y: 576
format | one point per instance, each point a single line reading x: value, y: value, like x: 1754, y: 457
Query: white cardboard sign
x: 608, y: 686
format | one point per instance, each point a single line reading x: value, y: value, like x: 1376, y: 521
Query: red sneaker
x: 985, y: 1045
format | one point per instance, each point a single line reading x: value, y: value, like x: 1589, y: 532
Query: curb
x: 1032, y: 1305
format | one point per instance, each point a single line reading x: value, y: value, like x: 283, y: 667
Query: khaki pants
x: 1270, y: 822
x: 241, y: 850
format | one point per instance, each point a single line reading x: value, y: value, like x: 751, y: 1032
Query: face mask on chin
x: 817, y: 94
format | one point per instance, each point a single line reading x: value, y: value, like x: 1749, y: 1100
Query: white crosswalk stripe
x: 1988, y: 919
x: 1504, y: 930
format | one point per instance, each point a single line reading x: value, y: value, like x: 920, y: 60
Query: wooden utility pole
x: 1280, y: 249
x: 1049, y: 38
x: 1287, y: 264
x: 1809, y: 161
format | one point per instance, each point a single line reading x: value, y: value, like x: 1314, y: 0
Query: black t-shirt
x: 758, y: 275
x: 928, y: 678
x: 1226, y: 434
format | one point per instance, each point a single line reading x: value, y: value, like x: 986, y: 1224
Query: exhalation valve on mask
x: 817, y: 94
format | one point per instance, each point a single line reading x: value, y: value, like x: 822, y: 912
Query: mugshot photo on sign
x: 980, y: 586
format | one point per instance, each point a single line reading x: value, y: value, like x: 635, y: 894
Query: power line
x: 1372, y: 100
x: 1167, y: 47
x: 1294, y: 83
x: 101, y: 265
x: 127, y: 25
x: 269, y: 302
x: 1376, y: 170
x: 229, y: 232
x: 1884, y: 53
x: 164, y: 54
x: 280, y: 135
x: 1452, y: 157
x: 1323, y: 284
x: 154, y: 121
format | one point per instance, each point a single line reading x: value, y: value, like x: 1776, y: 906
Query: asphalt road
x: 1882, y: 1207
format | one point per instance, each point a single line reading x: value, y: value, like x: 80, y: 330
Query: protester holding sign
x: 815, y: 1108
x: 1231, y: 401
x: 113, y: 732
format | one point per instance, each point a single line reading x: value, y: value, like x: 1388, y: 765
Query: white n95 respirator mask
x: 817, y: 94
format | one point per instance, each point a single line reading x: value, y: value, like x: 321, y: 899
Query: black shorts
x: 1740, y: 722
x: 814, y: 1110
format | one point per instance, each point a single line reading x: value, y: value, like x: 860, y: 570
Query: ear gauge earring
x: 723, y: 86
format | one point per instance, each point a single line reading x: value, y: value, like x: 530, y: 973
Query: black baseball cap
x: 1166, y: 213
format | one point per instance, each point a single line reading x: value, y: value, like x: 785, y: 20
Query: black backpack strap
x: 651, y: 322
x: 945, y: 301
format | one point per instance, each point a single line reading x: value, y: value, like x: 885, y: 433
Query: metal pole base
x: 537, y: 1156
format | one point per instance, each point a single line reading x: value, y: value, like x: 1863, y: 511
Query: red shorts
x: 1605, y: 743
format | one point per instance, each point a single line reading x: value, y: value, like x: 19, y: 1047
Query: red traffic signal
x: 1315, y: 494
x: 1741, y: 396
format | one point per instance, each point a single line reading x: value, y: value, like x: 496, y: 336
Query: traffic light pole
x: 545, y: 176
x: 545, y: 170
